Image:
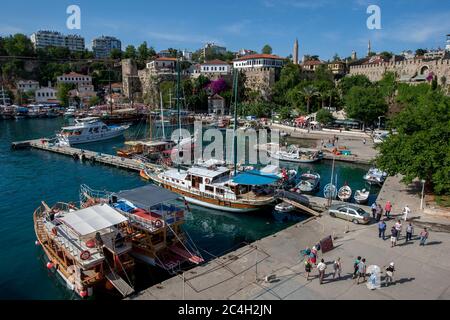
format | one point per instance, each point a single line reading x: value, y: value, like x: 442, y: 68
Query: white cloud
x: 417, y: 29
x: 236, y: 28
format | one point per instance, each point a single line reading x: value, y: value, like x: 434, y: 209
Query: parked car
x: 350, y: 212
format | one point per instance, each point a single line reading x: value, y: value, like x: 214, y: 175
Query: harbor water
x: 28, y: 177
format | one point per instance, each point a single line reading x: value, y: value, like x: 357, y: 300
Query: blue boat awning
x: 255, y: 179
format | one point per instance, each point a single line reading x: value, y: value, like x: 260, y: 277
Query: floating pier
x: 84, y: 155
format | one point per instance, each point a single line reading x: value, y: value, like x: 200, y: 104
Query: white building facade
x: 218, y: 67
x: 45, y: 94
x: 43, y: 39
x: 75, y: 78
x: 258, y: 61
x: 103, y: 46
x: 27, y: 85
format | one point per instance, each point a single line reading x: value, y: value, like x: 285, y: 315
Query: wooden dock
x: 85, y: 155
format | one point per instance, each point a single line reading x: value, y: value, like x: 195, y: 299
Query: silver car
x: 350, y: 212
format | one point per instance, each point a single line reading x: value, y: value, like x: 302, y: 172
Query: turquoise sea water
x: 30, y: 176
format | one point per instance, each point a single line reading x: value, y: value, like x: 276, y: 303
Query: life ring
x: 158, y: 223
x: 55, y: 231
x: 207, y: 180
x: 85, y: 255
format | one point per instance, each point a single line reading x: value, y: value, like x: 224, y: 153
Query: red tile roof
x: 74, y: 74
x: 259, y: 56
x: 312, y: 63
x: 166, y: 59
x: 216, y: 61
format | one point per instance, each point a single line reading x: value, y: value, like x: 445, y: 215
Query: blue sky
x: 323, y: 27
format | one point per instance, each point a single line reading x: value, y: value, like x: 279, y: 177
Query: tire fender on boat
x: 85, y: 255
x: 158, y: 223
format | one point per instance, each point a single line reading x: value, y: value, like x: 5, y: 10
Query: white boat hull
x: 73, y: 140
x: 216, y: 207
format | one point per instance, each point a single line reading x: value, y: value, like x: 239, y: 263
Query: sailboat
x: 149, y: 149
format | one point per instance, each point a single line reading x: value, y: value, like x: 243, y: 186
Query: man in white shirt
x: 321, y: 267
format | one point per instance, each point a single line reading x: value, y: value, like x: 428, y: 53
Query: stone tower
x: 354, y: 56
x: 369, y: 48
x: 295, y: 57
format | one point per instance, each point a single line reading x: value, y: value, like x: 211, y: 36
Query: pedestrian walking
x: 387, y: 209
x: 389, y: 274
x: 409, y: 232
x: 321, y: 267
x: 308, y: 267
x: 393, y: 237
x: 398, y: 227
x: 381, y: 229
x: 364, y: 141
x: 423, y: 236
x: 361, y: 270
x: 374, y: 209
x: 337, y: 266
x: 406, y: 212
x: 379, y: 212
x: 355, y: 267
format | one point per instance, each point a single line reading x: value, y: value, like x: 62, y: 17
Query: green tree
x: 130, y: 52
x: 308, y: 93
x: 142, y: 52
x: 365, y: 104
x: 346, y: 83
x: 420, y: 52
x: 324, y: 116
x: 267, y: 49
x: 421, y: 146
x: 93, y: 101
x: 115, y: 54
x: 62, y: 93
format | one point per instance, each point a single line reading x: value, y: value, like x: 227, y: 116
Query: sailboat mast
x: 162, y: 114
x: 178, y: 109
x: 236, y: 75
x: 331, y: 183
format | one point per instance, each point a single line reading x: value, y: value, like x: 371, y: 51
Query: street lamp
x: 423, y: 191
x: 379, y: 122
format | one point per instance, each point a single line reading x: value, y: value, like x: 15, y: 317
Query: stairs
x: 124, y: 288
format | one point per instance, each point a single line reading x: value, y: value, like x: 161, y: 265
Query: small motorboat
x: 375, y: 176
x: 361, y: 196
x: 330, y: 191
x: 309, y: 182
x: 284, y: 207
x: 345, y: 193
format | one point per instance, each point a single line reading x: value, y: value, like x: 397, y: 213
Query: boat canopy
x: 148, y: 196
x: 92, y: 219
x: 255, y: 178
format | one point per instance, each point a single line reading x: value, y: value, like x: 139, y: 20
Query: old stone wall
x: 260, y: 80
x: 375, y: 72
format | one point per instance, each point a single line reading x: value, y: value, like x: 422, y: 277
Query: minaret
x: 369, y: 48
x: 295, y: 57
x: 354, y: 56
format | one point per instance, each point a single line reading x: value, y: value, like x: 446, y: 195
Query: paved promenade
x: 352, y: 140
x: 422, y: 272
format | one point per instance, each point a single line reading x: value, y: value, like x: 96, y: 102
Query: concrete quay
x: 101, y: 158
x: 354, y: 141
x: 422, y: 272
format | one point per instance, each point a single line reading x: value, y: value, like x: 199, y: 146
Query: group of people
x: 396, y: 230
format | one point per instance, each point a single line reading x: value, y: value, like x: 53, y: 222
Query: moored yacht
x: 217, y: 188
x: 85, y: 247
x: 89, y: 130
x: 298, y: 155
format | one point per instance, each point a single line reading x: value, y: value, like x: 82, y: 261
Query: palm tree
x: 308, y: 93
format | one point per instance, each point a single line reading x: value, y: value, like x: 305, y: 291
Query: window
x: 209, y: 188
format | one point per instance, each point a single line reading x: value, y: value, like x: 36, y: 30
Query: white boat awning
x: 92, y: 219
